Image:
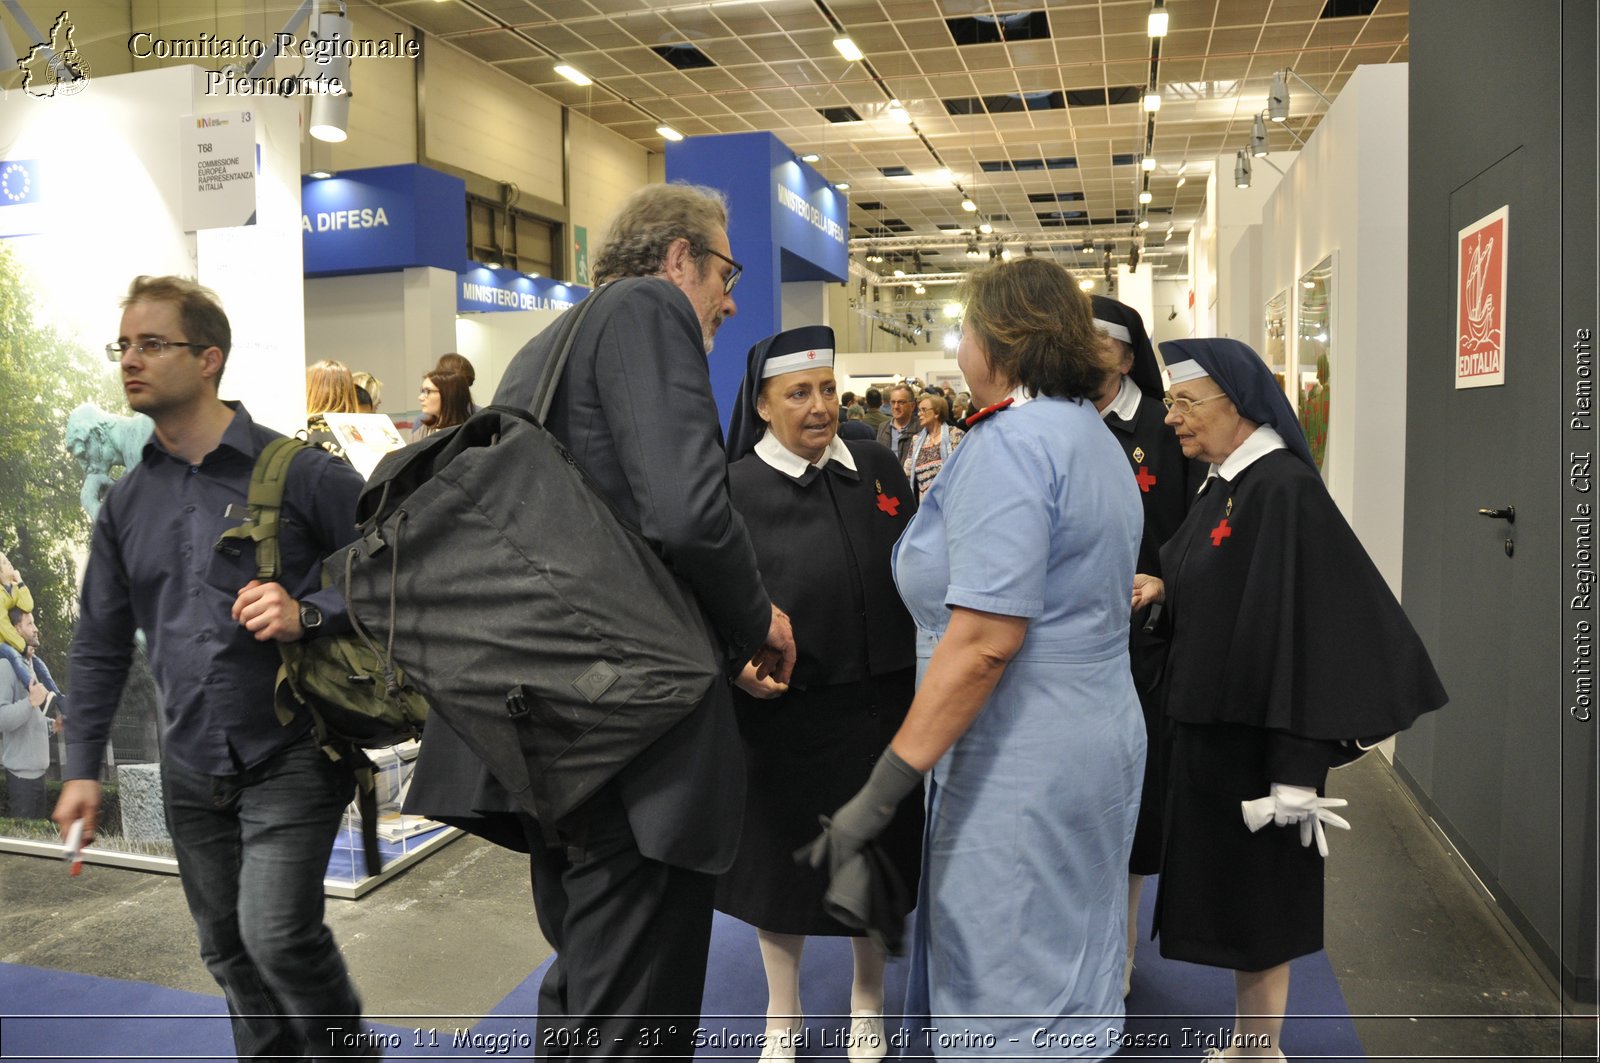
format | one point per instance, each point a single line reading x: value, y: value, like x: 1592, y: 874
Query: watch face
x: 310, y: 617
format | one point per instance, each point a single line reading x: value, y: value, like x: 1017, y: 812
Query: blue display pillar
x: 785, y: 222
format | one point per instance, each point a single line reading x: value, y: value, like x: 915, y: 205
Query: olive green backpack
x: 357, y: 696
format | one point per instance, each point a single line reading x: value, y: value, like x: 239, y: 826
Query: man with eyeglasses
x: 252, y: 806
x: 900, y: 428
x: 623, y: 887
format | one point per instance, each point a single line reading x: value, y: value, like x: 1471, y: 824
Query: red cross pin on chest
x: 1220, y: 532
x: 889, y: 505
x: 1146, y: 479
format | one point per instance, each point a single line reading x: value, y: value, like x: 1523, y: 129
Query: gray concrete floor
x: 1425, y: 965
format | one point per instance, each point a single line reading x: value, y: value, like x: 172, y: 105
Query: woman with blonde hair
x: 329, y: 389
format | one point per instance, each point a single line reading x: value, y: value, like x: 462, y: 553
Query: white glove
x: 1296, y: 804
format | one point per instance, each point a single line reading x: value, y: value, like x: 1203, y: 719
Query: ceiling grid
x: 1012, y: 103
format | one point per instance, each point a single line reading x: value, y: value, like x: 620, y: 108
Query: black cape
x: 1281, y: 620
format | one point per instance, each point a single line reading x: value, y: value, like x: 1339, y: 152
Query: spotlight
x: 1278, y: 100
x: 668, y: 132
x: 1156, y: 24
x: 1241, y: 170
x: 319, y: 175
x: 897, y: 112
x: 1144, y: 223
x: 811, y: 156
x: 1005, y: 254
x: 920, y: 290
x: 1087, y: 284
x: 843, y: 186
x: 1258, y: 138
x: 1148, y: 163
x: 1145, y: 196
x: 985, y: 228
x: 1181, y: 182
x: 574, y: 75
x: 968, y: 205
x: 899, y: 273
x: 330, y: 110
x: 972, y: 249
x: 1152, y: 99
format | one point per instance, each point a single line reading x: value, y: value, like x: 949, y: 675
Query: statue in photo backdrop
x: 101, y: 440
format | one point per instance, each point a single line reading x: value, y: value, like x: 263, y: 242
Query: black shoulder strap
x: 265, y: 498
x: 544, y: 391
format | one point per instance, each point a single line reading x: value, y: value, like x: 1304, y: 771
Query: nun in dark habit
x: 823, y: 514
x: 1131, y: 407
x: 1289, y: 656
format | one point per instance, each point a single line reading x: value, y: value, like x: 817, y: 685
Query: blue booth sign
x: 785, y: 223
x: 485, y: 290
x: 381, y: 219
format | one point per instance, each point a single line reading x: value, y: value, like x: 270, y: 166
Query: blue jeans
x: 252, y: 850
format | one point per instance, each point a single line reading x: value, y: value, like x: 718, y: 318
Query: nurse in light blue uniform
x: 1018, y: 570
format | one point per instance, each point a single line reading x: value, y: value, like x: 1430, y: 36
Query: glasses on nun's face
x: 1185, y: 407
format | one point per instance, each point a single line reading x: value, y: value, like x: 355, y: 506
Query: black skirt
x: 807, y: 753
x: 1150, y: 831
x: 1227, y: 897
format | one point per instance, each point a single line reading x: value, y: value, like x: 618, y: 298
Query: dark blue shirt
x: 152, y: 568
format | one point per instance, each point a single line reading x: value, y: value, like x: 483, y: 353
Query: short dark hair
x: 874, y: 398
x: 1036, y: 327
x: 15, y: 614
x: 847, y: 399
x: 651, y: 220
x: 198, y: 308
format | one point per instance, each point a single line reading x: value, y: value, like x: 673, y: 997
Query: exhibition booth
x: 138, y: 174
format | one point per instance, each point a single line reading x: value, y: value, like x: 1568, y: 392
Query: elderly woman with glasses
x: 1016, y: 570
x: 1289, y: 656
x: 935, y: 441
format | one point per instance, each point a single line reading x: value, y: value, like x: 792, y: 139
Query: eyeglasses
x: 1186, y: 406
x: 153, y: 347
x: 429, y: 391
x: 732, y: 278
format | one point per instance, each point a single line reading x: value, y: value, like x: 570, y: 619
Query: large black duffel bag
x: 546, y: 632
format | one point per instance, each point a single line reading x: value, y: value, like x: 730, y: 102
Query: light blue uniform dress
x: 1020, y: 935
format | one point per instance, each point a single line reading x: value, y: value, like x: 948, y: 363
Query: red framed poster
x: 1481, y: 301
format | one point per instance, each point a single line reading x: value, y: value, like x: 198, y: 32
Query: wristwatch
x: 310, y: 618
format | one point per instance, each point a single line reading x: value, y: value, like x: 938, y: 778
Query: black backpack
x: 547, y: 632
x: 357, y: 698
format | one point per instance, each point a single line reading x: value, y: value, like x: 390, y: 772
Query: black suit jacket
x: 635, y: 409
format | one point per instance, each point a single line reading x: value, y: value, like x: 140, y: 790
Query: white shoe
x: 778, y: 1045
x: 866, y: 1043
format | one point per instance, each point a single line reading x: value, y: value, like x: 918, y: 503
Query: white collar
x: 1019, y: 396
x: 786, y: 461
x: 1126, y: 404
x: 1263, y: 441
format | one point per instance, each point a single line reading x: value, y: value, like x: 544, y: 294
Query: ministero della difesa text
x: 315, y: 50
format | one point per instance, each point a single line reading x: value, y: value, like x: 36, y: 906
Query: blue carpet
x: 1175, y: 1012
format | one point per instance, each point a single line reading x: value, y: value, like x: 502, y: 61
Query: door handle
x: 1508, y: 514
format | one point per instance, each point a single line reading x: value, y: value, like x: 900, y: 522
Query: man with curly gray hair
x: 623, y: 886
